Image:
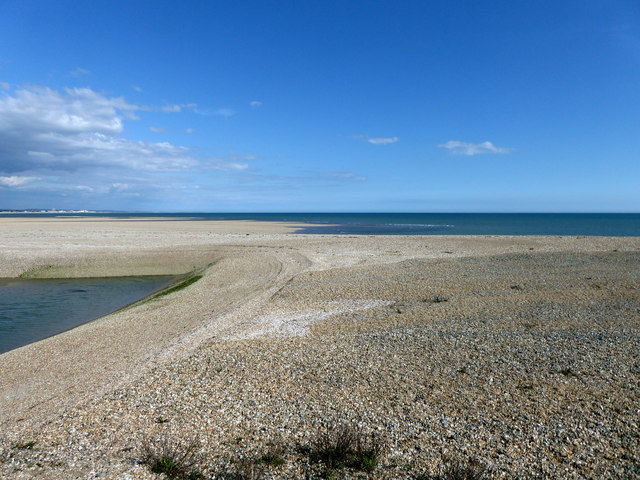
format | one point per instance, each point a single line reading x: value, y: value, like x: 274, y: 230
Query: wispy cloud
x: 225, y: 112
x: 215, y: 164
x: 137, y: 88
x: 189, y: 131
x: 157, y: 130
x: 383, y: 140
x: 177, y: 108
x: 377, y: 140
x: 231, y: 163
x: 80, y: 72
x: 464, y: 148
x: 16, y: 181
x: 5, y: 86
x: 255, y: 104
x: 346, y: 176
x: 221, y: 112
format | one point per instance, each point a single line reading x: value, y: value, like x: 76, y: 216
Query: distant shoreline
x: 509, y: 224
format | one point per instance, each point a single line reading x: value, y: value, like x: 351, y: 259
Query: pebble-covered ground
x: 526, y: 364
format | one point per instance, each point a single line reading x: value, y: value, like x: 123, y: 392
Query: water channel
x: 31, y: 310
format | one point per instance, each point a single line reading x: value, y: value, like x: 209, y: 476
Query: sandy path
x: 41, y: 378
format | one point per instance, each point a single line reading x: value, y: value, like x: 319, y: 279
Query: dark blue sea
x: 598, y: 224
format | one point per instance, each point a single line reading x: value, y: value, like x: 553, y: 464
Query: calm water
x: 31, y: 310
x: 599, y: 224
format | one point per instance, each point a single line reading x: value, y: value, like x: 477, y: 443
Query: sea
x: 569, y: 224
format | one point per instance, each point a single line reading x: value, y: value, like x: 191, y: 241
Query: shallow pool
x: 31, y: 310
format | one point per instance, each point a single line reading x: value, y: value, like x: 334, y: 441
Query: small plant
x: 24, y: 445
x: 166, y: 465
x: 567, y: 372
x: 162, y: 420
x: 368, y: 461
x: 435, y: 299
x: 248, y: 470
x: 345, y: 446
x: 272, y: 459
x: 173, y: 459
x: 457, y: 470
x: 195, y: 475
x: 524, y: 386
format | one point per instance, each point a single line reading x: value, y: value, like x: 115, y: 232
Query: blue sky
x: 408, y: 106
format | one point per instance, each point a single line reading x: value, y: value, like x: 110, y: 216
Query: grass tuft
x: 471, y: 470
x: 457, y: 470
x: 174, y: 460
x: 347, y: 447
x: 272, y: 459
x: 248, y: 470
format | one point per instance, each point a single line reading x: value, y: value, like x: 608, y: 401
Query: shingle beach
x: 519, y: 355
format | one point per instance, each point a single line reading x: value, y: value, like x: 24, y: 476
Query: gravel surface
x: 518, y: 353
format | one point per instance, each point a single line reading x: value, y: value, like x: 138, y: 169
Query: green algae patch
x: 190, y: 279
x: 42, y: 271
x: 180, y: 286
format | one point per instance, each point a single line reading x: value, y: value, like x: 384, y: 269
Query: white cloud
x: 189, y: 131
x: 225, y: 165
x: 346, y: 176
x: 119, y: 187
x: 255, y: 104
x: 463, y: 148
x: 137, y: 88
x: 232, y: 166
x: 43, y: 110
x: 44, y: 129
x: 177, y: 108
x: 222, y: 112
x: 157, y: 130
x: 171, y: 108
x: 72, y: 142
x: 5, y: 86
x: 377, y: 140
x: 383, y: 140
x: 15, y: 181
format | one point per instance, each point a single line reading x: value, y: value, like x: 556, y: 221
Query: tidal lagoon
x: 33, y: 309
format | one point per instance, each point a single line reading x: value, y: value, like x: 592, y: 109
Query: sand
x: 520, y: 352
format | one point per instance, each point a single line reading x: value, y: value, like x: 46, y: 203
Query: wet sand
x: 521, y: 352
